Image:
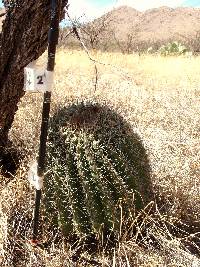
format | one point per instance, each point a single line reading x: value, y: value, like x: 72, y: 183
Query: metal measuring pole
x: 52, y: 42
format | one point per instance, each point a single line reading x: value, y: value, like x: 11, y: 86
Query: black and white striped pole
x: 42, y: 80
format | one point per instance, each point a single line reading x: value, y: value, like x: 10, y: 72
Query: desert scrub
x: 97, y: 171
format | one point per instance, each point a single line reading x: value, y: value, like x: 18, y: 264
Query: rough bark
x: 22, y: 40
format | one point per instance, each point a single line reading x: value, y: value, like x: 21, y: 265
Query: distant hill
x: 162, y: 23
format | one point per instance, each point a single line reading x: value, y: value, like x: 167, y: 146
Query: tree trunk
x: 22, y: 40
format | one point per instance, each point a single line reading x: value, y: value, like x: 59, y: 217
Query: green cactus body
x: 94, y: 164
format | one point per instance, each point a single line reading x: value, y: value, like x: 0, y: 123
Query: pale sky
x: 95, y: 8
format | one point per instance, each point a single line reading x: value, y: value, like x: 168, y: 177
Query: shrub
x: 98, y: 171
x: 174, y: 48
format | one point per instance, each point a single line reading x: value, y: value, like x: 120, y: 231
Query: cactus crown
x: 96, y: 166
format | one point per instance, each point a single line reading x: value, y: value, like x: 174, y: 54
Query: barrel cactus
x: 97, y: 170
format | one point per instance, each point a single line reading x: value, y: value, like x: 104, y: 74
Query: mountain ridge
x: 161, y: 23
x: 157, y: 22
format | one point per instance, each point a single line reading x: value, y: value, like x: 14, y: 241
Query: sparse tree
x: 22, y: 40
x: 93, y: 32
x: 194, y: 43
x: 130, y: 42
x: 67, y: 38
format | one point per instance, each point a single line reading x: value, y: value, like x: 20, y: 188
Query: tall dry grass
x: 159, y: 96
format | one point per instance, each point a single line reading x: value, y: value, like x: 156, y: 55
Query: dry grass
x: 160, y: 99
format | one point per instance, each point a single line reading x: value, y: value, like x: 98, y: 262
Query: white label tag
x: 33, y: 178
x: 37, y: 79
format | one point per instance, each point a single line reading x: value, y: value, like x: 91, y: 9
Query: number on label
x: 39, y: 78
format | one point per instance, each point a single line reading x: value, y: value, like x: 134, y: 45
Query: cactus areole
x: 97, y: 171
